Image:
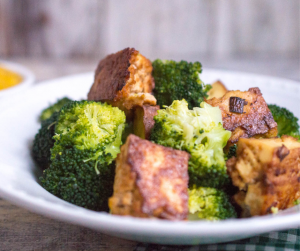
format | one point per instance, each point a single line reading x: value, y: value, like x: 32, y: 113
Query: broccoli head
x: 200, y: 133
x: 206, y: 203
x: 178, y: 80
x: 231, y: 152
x: 47, y: 113
x: 43, y: 142
x: 287, y: 123
x: 87, y: 140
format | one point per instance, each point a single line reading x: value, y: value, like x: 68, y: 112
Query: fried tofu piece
x: 124, y: 80
x: 267, y: 172
x: 151, y: 181
x: 143, y: 121
x: 218, y: 90
x: 256, y: 119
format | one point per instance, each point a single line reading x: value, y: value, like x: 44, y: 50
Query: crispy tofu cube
x: 124, y: 80
x: 151, y: 181
x: 267, y: 172
x: 218, y: 90
x: 143, y: 121
x: 256, y: 119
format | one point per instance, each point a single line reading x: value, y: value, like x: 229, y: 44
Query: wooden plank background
x: 22, y: 230
x: 60, y: 37
x: 174, y: 29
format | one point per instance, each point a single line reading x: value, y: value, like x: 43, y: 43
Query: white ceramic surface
x: 27, y: 75
x: 18, y: 174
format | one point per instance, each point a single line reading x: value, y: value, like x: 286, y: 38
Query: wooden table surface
x: 23, y: 230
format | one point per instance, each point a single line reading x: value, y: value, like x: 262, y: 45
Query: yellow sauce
x: 8, y: 78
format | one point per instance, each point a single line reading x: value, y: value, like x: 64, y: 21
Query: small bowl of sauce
x: 14, y: 78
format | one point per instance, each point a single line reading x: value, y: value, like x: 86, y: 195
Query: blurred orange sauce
x: 8, y: 78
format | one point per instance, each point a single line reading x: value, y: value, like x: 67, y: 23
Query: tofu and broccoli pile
x: 153, y: 141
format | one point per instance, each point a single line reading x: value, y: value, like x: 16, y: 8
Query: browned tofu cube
x: 218, y: 90
x: 124, y: 80
x: 267, y: 172
x: 245, y: 114
x: 143, y: 121
x: 151, y: 181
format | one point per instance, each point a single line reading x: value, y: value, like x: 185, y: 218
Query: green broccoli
x: 200, y: 133
x: 207, y: 203
x: 87, y: 140
x: 47, y: 113
x: 178, y: 80
x: 43, y: 142
x: 287, y: 123
x: 231, y: 151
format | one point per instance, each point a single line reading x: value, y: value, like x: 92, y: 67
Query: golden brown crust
x: 124, y: 80
x: 143, y: 120
x: 267, y: 171
x: 111, y: 75
x: 218, y: 90
x: 151, y: 181
x: 256, y: 121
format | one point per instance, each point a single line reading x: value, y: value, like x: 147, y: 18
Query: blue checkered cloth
x: 288, y: 240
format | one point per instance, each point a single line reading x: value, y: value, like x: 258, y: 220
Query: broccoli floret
x: 200, y: 133
x: 207, y: 203
x: 178, y: 80
x: 43, y: 142
x: 287, y: 123
x: 47, y: 113
x: 87, y: 140
x: 231, y: 151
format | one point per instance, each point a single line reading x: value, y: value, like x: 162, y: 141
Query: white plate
x: 18, y: 174
x: 27, y: 75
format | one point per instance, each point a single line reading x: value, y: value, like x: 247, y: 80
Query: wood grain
x: 159, y: 28
x: 22, y: 230
x: 4, y: 26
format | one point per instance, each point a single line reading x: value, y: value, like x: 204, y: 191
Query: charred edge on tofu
x: 236, y: 104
